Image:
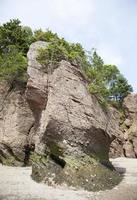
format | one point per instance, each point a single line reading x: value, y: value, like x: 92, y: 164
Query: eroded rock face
x: 36, y: 91
x: 56, y: 117
x: 69, y: 115
x: 130, y: 126
x: 130, y: 106
x: 16, y: 120
x: 70, y: 123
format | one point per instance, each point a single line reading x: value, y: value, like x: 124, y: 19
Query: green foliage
x: 14, y: 44
x: 47, y: 36
x: 12, y: 33
x: 120, y: 87
x: 52, y: 55
x: 58, y: 49
x: 105, y: 81
x: 12, y: 65
x: 97, y: 62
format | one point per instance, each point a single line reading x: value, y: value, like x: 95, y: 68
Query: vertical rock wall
x: 16, y: 121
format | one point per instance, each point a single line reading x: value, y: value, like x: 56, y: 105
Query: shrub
x: 13, y: 66
x: 52, y: 55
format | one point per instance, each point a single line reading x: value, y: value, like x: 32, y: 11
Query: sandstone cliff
x: 58, y: 126
x: 65, y: 112
x: 16, y: 121
x: 130, y: 126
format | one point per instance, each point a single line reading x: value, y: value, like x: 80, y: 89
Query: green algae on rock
x: 80, y: 173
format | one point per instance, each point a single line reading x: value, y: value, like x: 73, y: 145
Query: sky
x: 110, y: 26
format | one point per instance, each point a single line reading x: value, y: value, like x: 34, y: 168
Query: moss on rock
x: 10, y: 161
x: 85, y: 172
x: 37, y: 158
x: 55, y: 148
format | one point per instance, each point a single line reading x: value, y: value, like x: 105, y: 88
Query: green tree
x: 96, y: 61
x: 121, y: 88
x: 13, y: 66
x: 12, y: 33
x: 77, y: 56
x: 96, y: 75
x: 106, y: 80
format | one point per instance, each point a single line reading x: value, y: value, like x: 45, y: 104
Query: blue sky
x: 110, y: 26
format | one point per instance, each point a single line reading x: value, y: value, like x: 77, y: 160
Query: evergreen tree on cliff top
x: 12, y: 33
x: 105, y: 81
x: 14, y: 44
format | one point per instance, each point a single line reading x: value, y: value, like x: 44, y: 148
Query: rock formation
x: 130, y: 126
x: 16, y: 120
x: 68, y: 114
x: 126, y: 143
x: 68, y: 130
x: 71, y: 127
